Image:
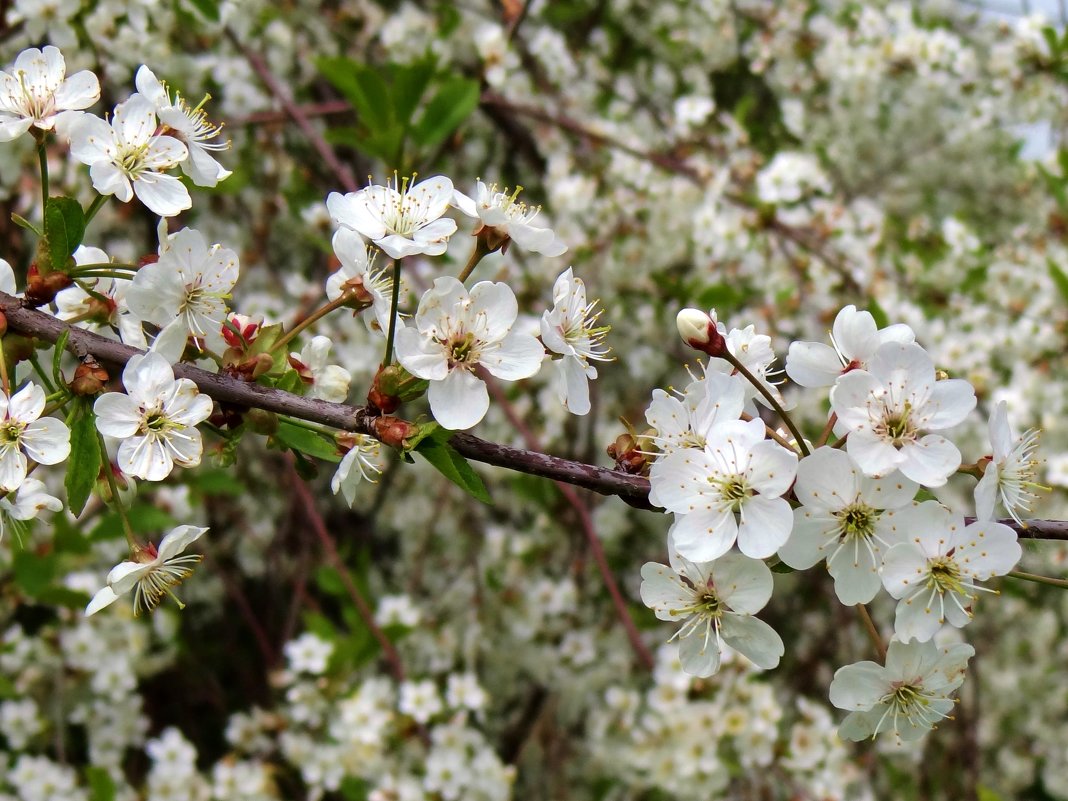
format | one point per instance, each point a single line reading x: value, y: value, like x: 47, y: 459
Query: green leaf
x: 363, y: 87
x: 147, y: 519
x: 1060, y: 280
x: 308, y: 442
x: 329, y: 581
x: 410, y: 82
x: 63, y: 596
x: 22, y: 222
x: 83, y: 465
x: 101, y: 785
x: 209, y: 8
x: 447, y: 461
x: 216, y: 481
x: 34, y: 572
x: 64, y: 227
x: 876, y: 311
x: 451, y: 105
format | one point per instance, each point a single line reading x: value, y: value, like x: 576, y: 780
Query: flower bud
x: 626, y: 452
x: 394, y: 432
x: 89, y: 378
x: 3, y: 324
x: 42, y: 289
x: 393, y: 385
x: 700, y: 332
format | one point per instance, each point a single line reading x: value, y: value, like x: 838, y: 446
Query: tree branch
x: 634, y: 490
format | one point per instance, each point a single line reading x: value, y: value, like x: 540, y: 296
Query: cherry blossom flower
x: 503, y: 219
x: 687, y: 421
x: 155, y: 420
x: 570, y: 329
x: 104, y: 310
x: 151, y: 573
x: 886, y: 409
x: 127, y: 157
x: 29, y: 501
x: 715, y: 602
x: 454, y: 333
x: 841, y: 519
x: 185, y: 292
x: 189, y: 126
x: 24, y: 435
x: 854, y: 339
x: 36, y: 92
x: 357, y: 274
x: 401, y: 219
x: 908, y: 696
x: 934, y: 573
x: 728, y: 491
x: 361, y: 461
x: 1010, y: 472
x: 324, y: 381
x: 755, y: 353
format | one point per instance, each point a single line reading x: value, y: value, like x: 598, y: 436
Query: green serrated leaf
x: 209, y: 8
x: 447, y: 461
x: 307, y: 442
x: 64, y: 227
x: 453, y: 103
x: 83, y: 466
x: 361, y: 86
x: 1060, y: 279
x: 34, y: 572
x: 101, y: 785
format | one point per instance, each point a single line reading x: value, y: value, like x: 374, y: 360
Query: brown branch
x: 363, y: 609
x: 285, y: 97
x: 632, y: 489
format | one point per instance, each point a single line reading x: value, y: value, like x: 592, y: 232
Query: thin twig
x: 363, y: 609
x: 634, y: 490
x: 873, y: 632
x: 285, y: 97
x: 586, y: 521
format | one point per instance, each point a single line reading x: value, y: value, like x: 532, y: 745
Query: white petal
x: 458, y: 402
x: 754, y: 639
x: 765, y: 527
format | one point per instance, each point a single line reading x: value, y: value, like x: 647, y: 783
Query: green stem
x: 94, y: 207
x: 770, y: 396
x: 481, y: 250
x: 103, y: 274
x: 318, y: 429
x: 315, y: 316
x: 60, y: 399
x: 1052, y: 582
x: 45, y: 379
x: 103, y: 265
x: 127, y: 529
x: 42, y: 157
x: 394, y: 303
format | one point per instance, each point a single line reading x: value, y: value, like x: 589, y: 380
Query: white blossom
x: 454, y: 333
x: 24, y: 435
x: 151, y: 573
x: 570, y: 329
x: 401, y: 219
x: 36, y: 92
x: 908, y: 696
x: 887, y: 409
x: 155, y: 420
x: 715, y: 603
x: 1010, y: 473
x: 509, y: 219
x: 126, y: 157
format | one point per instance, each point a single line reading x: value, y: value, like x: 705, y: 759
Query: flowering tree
x: 785, y: 272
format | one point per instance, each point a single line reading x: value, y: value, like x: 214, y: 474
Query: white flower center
x: 404, y: 211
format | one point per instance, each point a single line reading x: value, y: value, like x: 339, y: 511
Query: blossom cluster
x: 731, y: 480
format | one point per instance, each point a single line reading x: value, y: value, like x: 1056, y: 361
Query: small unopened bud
x: 42, y: 289
x: 3, y: 324
x: 941, y: 375
x: 89, y: 378
x: 394, y: 432
x: 626, y: 453
x: 148, y: 258
x: 393, y: 385
x: 240, y: 330
x: 262, y: 421
x: 699, y: 331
